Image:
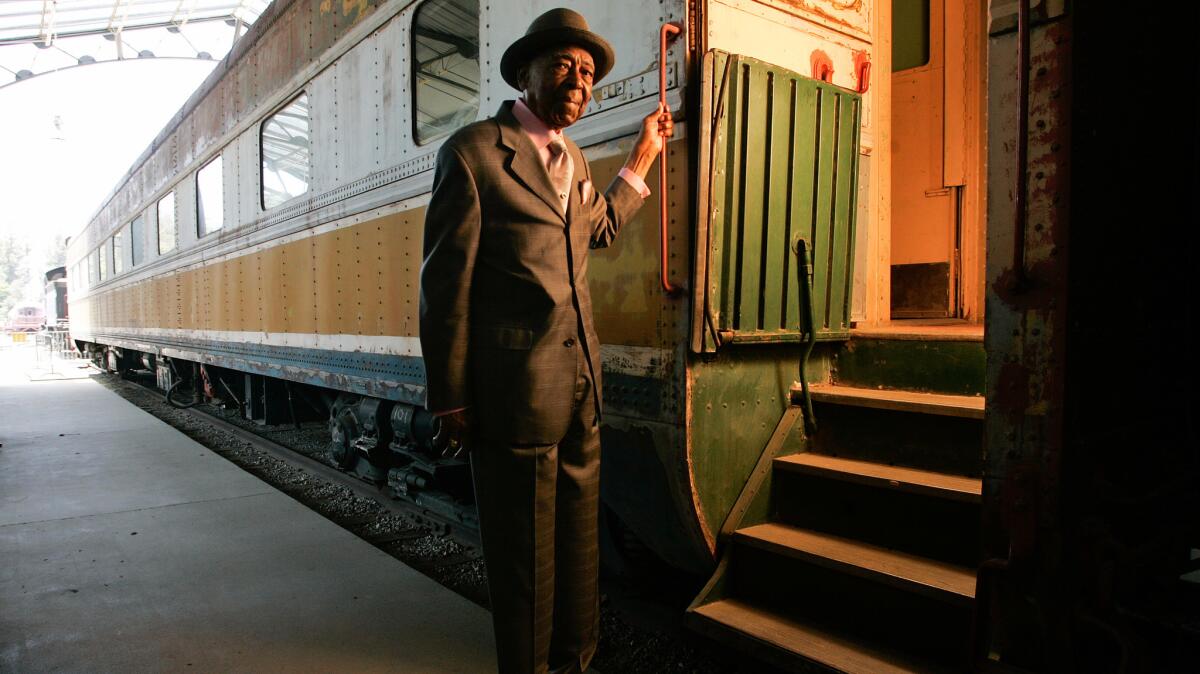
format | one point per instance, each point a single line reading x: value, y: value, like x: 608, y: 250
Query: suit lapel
x: 525, y: 164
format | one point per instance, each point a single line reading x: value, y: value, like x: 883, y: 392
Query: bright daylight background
x: 66, y: 138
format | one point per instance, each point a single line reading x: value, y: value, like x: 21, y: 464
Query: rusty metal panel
x: 782, y: 164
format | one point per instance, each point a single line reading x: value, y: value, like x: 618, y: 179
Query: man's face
x: 558, y: 85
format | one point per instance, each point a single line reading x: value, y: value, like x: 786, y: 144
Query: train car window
x: 910, y: 34
x: 210, y: 198
x: 120, y: 243
x: 102, y: 254
x: 445, y: 67
x: 137, y: 240
x: 286, y: 144
x: 166, y: 223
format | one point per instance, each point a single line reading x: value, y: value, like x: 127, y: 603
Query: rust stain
x: 359, y: 8
x: 822, y: 66
x: 862, y: 70
x: 808, y: 9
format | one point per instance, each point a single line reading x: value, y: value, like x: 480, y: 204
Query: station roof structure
x: 41, y: 36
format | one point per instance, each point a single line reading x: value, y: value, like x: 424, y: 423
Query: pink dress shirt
x: 541, y: 135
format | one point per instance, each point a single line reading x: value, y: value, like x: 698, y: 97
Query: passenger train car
x: 802, y: 402
x: 25, y: 318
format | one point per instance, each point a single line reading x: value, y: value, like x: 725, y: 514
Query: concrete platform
x: 127, y: 547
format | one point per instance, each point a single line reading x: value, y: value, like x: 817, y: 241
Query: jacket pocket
x: 504, y: 337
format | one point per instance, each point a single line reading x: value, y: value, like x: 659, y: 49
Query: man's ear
x: 523, y: 78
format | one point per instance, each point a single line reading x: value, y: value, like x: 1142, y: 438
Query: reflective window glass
x: 103, y: 254
x: 285, y: 153
x: 910, y: 34
x: 210, y: 198
x: 445, y: 66
x: 166, y: 223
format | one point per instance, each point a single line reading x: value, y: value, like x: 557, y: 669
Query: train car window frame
x: 137, y: 241
x: 285, y: 149
x: 103, y: 253
x: 206, y: 222
x: 119, y: 258
x: 169, y: 233
x: 437, y: 40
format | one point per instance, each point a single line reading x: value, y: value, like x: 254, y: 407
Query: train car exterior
x: 25, y: 318
x: 56, y: 311
x: 798, y: 390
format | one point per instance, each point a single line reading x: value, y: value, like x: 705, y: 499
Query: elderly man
x: 511, y: 355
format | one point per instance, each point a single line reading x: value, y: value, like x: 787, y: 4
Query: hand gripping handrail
x: 669, y: 31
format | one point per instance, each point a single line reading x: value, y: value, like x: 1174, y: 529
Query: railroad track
x: 380, y: 494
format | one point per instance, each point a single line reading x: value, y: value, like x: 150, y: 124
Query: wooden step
x: 932, y: 578
x: 970, y: 407
x: 806, y: 641
x: 941, y: 485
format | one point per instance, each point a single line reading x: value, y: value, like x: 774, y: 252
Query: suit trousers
x: 538, y: 512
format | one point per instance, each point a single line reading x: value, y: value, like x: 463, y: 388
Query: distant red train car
x: 25, y: 318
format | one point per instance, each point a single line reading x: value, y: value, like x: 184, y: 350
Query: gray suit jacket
x: 504, y: 293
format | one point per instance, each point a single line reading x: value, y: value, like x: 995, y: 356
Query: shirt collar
x: 534, y: 127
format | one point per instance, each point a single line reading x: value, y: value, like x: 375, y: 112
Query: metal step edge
x: 937, y: 580
x: 967, y: 407
x: 770, y: 635
x: 912, y: 480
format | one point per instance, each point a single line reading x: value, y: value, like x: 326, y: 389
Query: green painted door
x: 778, y: 161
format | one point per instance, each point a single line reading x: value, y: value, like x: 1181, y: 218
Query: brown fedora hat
x: 556, y: 27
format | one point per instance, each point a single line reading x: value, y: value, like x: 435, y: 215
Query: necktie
x: 561, y: 169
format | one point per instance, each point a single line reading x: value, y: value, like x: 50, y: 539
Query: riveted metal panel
x: 326, y: 154
x: 393, y: 132
x: 782, y: 163
x: 358, y: 92
x: 249, y: 180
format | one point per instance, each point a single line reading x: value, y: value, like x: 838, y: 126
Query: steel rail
x: 461, y: 533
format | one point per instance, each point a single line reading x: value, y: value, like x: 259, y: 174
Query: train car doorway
x: 937, y: 195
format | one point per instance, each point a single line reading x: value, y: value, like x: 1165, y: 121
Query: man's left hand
x: 657, y: 127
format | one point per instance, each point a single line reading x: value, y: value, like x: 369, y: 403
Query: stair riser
x: 922, y: 525
x: 853, y: 606
x: 929, y: 442
x: 933, y: 366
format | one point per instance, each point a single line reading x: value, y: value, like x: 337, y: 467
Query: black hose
x: 808, y: 318
x: 171, y: 389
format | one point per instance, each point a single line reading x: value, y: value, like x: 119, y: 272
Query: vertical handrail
x: 1021, y: 221
x: 808, y: 317
x: 669, y: 31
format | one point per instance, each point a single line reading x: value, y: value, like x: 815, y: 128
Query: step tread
x: 956, y: 487
x: 970, y: 407
x: 909, y: 572
x: 805, y: 640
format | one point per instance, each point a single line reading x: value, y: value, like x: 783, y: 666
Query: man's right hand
x: 455, y: 426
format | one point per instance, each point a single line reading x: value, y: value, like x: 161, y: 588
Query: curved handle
x: 669, y: 31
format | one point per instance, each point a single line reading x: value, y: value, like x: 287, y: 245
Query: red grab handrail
x: 669, y: 31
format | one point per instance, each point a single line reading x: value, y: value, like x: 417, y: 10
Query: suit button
x: 569, y: 342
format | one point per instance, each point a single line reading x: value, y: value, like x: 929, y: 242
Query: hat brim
x: 528, y: 46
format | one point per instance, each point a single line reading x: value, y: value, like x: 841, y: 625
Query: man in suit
x: 511, y: 356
